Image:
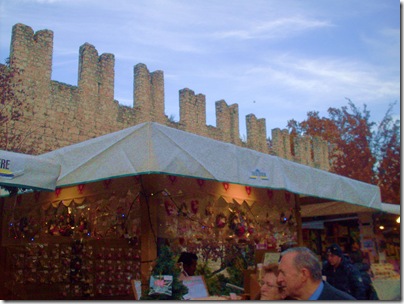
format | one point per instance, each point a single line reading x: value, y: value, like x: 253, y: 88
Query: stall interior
x: 377, y: 234
x: 90, y: 241
x: 374, y: 236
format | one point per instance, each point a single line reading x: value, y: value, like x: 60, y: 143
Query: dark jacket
x: 346, y: 278
x: 371, y: 293
x: 356, y: 258
x: 332, y: 293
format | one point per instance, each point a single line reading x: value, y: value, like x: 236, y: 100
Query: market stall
x: 121, y: 194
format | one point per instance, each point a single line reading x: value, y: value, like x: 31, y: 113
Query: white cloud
x: 283, y: 27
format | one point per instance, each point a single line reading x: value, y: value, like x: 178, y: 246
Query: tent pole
x: 298, y: 217
x: 148, y: 239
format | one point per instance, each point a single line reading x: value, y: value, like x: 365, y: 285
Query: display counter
x: 388, y: 289
x: 386, y: 281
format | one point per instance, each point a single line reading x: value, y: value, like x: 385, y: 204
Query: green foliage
x: 214, y: 285
x: 166, y: 265
x: 235, y: 271
x: 240, y: 257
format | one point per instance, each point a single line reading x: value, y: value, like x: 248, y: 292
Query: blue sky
x: 277, y: 59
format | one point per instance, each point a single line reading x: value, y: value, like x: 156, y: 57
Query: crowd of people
x: 300, y: 275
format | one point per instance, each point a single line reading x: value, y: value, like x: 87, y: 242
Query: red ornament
x: 248, y: 189
x: 107, y: 182
x: 270, y: 194
x: 172, y: 178
x: 200, y: 182
x: 226, y: 186
x: 287, y: 196
x: 37, y: 194
x: 57, y: 191
x: 80, y: 188
x: 221, y: 220
x: 240, y: 230
x: 170, y: 208
x: 194, y: 206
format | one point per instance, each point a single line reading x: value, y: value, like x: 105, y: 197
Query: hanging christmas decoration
x: 238, y: 222
x: 37, y: 194
x: 169, y: 207
x: 183, y: 210
x: 106, y: 183
x: 172, y: 178
x: 270, y: 194
x: 194, y: 206
x: 209, y: 209
x: 221, y: 220
x: 287, y: 196
x: 80, y: 188
x: 57, y: 191
x: 200, y: 182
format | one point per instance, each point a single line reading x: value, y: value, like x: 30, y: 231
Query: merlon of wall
x: 148, y: 94
x: 256, y: 134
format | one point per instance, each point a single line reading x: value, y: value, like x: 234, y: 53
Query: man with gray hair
x: 301, y: 278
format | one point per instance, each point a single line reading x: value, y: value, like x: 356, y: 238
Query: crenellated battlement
x: 66, y: 114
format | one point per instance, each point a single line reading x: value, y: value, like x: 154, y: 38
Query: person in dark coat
x: 299, y: 275
x: 357, y: 259
x: 342, y: 274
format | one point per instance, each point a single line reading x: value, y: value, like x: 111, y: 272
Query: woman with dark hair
x: 188, y: 261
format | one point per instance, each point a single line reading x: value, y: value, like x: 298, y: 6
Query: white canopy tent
x: 151, y: 148
x: 28, y: 171
x: 391, y: 208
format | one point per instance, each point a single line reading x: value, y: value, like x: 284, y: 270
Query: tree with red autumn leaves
x: 359, y: 149
x: 388, y: 145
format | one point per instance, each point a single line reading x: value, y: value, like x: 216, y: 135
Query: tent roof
x: 28, y: 171
x: 151, y: 148
x: 391, y: 208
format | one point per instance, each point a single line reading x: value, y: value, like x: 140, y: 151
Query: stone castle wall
x: 65, y: 114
